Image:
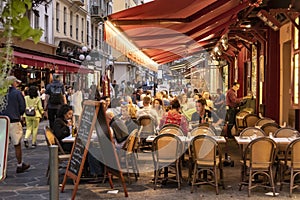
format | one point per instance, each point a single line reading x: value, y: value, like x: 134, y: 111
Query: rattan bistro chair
x: 250, y: 120
x: 260, y: 161
x: 146, y: 128
x: 250, y: 131
x: 206, y: 157
x: 263, y: 121
x: 166, y: 151
x: 52, y: 140
x: 171, y: 128
x: 130, y: 154
x: 270, y: 128
x: 202, y: 131
x: 286, y: 132
x: 291, y: 164
x: 239, y: 120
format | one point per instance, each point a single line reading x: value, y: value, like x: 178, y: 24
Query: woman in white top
x: 77, y: 104
x: 209, y: 102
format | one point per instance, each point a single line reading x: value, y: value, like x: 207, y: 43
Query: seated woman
x: 157, y: 106
x: 173, y: 116
x: 126, y: 118
x: 61, y: 126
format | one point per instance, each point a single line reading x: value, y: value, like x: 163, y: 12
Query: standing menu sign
x: 4, y: 125
x: 81, y: 144
x: 108, y: 151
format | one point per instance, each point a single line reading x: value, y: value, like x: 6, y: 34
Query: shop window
x: 65, y: 20
x: 77, y: 27
x: 71, y: 24
x: 57, y: 17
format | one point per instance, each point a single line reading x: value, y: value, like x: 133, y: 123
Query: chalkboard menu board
x: 82, y: 138
x: 81, y: 144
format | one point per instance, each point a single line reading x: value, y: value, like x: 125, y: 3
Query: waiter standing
x: 233, y: 104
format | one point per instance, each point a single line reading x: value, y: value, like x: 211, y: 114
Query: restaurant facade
x: 261, y: 44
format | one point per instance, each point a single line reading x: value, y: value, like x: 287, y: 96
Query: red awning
x: 45, y: 62
x: 167, y: 30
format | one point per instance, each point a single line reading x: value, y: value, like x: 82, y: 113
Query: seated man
x: 202, y: 114
x: 147, y: 110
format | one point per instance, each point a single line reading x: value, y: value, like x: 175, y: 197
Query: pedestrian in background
x: 14, y: 110
x: 116, y: 88
x: 32, y: 100
x: 56, y: 99
x: 77, y: 99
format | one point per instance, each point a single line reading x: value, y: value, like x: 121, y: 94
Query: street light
x: 85, y: 55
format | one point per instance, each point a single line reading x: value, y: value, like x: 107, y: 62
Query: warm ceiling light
x: 216, y: 49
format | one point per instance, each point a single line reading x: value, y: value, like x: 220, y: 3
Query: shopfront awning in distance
x: 162, y: 31
x: 52, y: 63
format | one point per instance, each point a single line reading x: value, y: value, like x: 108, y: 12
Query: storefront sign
x: 163, y: 87
x: 4, y: 123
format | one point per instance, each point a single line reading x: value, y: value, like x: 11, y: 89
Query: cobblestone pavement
x: 33, y: 183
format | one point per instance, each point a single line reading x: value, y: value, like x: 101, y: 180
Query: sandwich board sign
x: 4, y: 123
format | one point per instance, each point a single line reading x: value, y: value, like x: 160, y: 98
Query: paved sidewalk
x: 33, y: 183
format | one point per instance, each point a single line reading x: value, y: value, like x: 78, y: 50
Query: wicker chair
x: 147, y: 127
x: 270, y: 128
x: 251, y: 131
x: 283, y: 133
x: 250, y: 120
x: 202, y: 131
x: 171, y: 128
x: 129, y: 148
x: 206, y: 157
x: 239, y: 120
x: 258, y: 158
x: 166, y: 151
x: 291, y: 164
x: 263, y: 121
x: 286, y: 132
x: 52, y: 140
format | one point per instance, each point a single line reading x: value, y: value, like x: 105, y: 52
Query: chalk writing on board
x: 76, y: 158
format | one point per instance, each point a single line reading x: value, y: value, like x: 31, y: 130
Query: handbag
x: 30, y: 111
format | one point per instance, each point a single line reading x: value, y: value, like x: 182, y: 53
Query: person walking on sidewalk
x: 32, y: 122
x: 14, y: 110
x: 56, y: 99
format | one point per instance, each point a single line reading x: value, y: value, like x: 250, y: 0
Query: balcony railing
x: 96, y: 11
x: 79, y: 2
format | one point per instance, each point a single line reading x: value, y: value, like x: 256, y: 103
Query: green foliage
x: 16, y: 24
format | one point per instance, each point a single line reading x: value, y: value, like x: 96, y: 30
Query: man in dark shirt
x: 14, y: 110
x: 233, y: 106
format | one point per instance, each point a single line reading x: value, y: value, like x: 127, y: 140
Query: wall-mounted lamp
x: 24, y: 66
x: 269, y: 20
